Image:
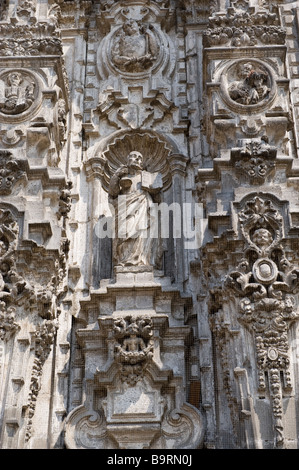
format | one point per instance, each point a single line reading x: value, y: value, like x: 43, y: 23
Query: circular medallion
x: 19, y: 94
x: 248, y: 85
x: 272, y: 354
x: 265, y: 271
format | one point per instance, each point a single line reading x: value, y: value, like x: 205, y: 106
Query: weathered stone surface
x: 149, y: 223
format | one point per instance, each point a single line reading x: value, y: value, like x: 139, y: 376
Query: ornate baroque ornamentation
x: 134, y: 347
x: 29, y: 40
x: 12, y: 286
x: 247, y: 85
x: 11, y: 171
x: 266, y: 282
x: 16, y: 92
x: 8, y: 326
x: 241, y: 26
x: 255, y: 159
x: 44, y: 338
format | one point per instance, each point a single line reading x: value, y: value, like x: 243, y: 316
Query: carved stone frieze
x: 135, y: 46
x: 44, y: 337
x: 8, y: 326
x: 132, y: 391
x: 29, y: 40
x: 244, y: 25
x: 266, y: 283
x: 26, y: 9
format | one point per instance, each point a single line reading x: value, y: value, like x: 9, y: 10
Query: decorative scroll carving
x: 266, y: 281
x: 183, y: 428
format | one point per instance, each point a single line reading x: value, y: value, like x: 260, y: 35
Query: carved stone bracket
x: 130, y: 398
x: 44, y: 338
x: 134, y: 347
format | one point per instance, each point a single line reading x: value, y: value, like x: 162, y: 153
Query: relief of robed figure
x: 133, y: 192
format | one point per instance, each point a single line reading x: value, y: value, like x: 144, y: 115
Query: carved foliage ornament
x: 241, y: 26
x: 266, y: 281
x: 29, y: 40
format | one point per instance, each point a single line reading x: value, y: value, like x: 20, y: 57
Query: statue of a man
x: 135, y: 49
x: 134, y: 244
x: 16, y: 97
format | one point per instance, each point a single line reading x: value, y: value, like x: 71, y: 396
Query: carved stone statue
x: 16, y: 96
x: 135, y: 48
x: 251, y: 86
x: 134, y: 244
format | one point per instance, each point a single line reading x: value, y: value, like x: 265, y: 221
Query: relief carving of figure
x: 16, y: 96
x: 135, y: 48
x: 134, y: 244
x: 251, y: 86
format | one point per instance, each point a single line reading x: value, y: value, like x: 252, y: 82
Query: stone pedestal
x: 135, y: 366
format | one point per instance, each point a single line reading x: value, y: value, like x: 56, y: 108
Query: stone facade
x: 149, y: 224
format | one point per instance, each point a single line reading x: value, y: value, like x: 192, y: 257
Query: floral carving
x: 134, y: 346
x: 266, y: 281
x: 256, y: 159
x: 17, y: 93
x: 241, y: 25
